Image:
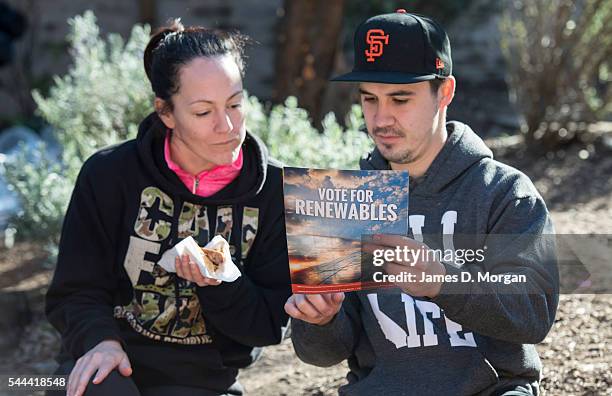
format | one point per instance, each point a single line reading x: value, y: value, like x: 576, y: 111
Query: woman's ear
x: 163, y: 111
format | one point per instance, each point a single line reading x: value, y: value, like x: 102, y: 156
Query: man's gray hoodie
x: 474, y: 337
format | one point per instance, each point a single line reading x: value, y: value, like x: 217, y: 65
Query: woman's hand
x: 187, y: 269
x: 101, y: 359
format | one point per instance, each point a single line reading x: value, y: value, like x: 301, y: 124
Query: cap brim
x: 383, y: 77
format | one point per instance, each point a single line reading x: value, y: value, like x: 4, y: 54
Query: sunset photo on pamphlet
x: 327, y: 212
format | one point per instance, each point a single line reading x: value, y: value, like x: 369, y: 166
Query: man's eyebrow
x: 394, y: 93
x: 401, y: 93
x: 210, y: 101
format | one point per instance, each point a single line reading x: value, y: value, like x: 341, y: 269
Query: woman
x: 128, y: 326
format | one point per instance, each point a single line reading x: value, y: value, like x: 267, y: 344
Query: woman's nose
x: 224, y: 123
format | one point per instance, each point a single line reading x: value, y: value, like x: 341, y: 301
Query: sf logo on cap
x: 376, y: 38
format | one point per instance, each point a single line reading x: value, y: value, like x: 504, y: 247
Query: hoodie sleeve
x: 250, y: 310
x: 331, y: 343
x: 520, y: 242
x: 79, y: 301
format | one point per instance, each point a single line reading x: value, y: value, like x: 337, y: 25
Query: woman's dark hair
x: 173, y: 46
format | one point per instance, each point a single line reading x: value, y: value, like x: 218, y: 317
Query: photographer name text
x: 465, y: 277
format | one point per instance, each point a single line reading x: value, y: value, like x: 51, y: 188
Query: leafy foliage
x: 559, y: 52
x: 292, y: 139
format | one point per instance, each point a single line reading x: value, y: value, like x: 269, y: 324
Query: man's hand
x: 187, y: 269
x: 317, y: 309
x: 421, y: 268
x: 101, y: 359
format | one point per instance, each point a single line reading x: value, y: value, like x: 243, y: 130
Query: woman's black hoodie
x: 126, y: 210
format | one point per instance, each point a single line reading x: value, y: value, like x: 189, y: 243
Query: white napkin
x: 227, y: 271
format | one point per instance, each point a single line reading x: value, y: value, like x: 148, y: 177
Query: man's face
x: 402, y: 119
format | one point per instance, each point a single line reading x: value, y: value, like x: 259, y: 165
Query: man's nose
x: 383, y: 117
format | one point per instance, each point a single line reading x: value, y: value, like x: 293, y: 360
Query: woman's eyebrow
x: 235, y: 94
x: 201, y: 100
x: 210, y: 101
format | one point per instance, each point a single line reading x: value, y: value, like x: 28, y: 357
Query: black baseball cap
x: 399, y: 48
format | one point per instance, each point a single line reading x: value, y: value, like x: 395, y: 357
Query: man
x: 464, y: 325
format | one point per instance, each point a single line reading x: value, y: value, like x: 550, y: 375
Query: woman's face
x: 207, y: 118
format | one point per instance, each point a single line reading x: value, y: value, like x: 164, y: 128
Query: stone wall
x: 45, y: 40
x: 41, y: 53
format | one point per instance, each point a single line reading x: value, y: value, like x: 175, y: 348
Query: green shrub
x: 558, y: 57
x: 291, y: 138
x: 104, y: 96
x: 43, y: 191
x: 97, y: 103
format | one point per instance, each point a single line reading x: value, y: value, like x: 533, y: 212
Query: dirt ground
x: 576, y: 354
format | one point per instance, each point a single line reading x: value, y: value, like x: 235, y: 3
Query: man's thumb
x: 124, y: 367
x: 338, y: 297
